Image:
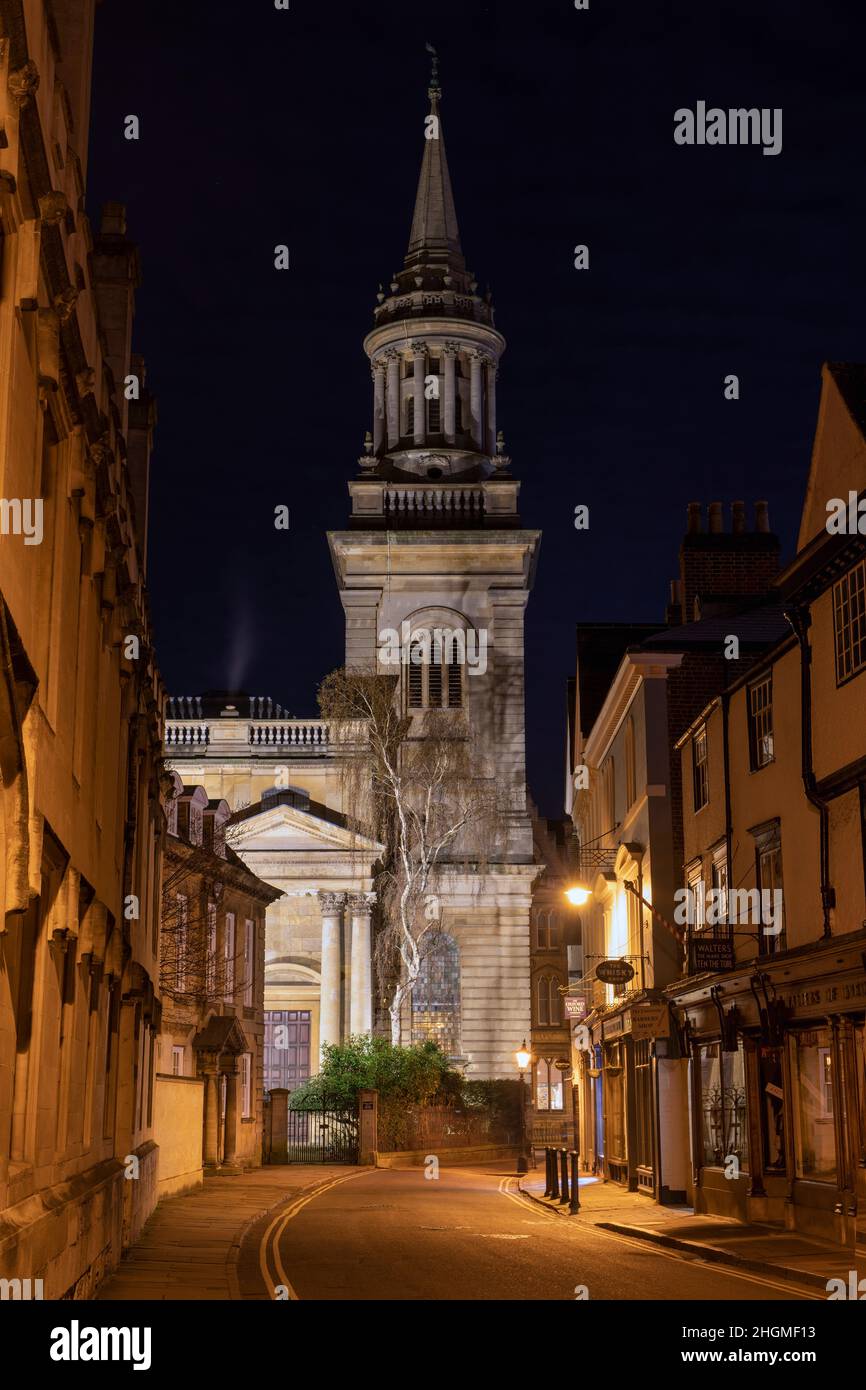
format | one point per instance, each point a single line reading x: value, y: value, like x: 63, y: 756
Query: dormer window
x: 195, y: 824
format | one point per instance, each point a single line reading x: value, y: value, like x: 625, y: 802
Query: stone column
x: 361, y: 1012
x: 230, y: 1147
x: 490, y: 388
x: 475, y: 393
x: 330, y: 1021
x: 392, y: 359
x: 211, y: 1119
x: 379, y: 424
x: 449, y: 413
x: 419, y: 357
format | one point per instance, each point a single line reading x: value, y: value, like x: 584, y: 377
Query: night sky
x: 305, y: 127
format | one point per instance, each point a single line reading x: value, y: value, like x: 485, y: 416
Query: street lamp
x: 523, y: 1057
x: 578, y: 895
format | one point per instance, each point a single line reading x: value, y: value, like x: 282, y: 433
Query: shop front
x: 778, y: 1088
x: 631, y: 1078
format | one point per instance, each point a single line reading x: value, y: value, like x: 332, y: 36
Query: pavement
x: 760, y: 1248
x: 190, y: 1245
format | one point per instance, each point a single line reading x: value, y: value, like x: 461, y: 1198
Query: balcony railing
x: 455, y: 504
x: 187, y: 735
x: 597, y: 860
x: 290, y: 734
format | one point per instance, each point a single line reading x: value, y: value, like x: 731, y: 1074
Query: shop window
x: 860, y: 1063
x: 644, y: 1103
x: 614, y: 1090
x: 724, y: 1133
x: 814, y: 1130
x: 549, y: 1088
x: 772, y: 1099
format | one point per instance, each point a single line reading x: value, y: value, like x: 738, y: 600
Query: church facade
x: 434, y: 544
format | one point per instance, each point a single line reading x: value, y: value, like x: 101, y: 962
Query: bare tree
x: 412, y: 782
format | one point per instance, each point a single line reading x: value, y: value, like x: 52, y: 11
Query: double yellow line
x: 272, y: 1235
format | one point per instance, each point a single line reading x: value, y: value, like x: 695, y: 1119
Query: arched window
x: 437, y: 656
x: 546, y: 929
x: 547, y: 1001
x: 436, y: 997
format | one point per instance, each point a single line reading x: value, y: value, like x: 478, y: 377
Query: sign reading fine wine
x: 614, y: 972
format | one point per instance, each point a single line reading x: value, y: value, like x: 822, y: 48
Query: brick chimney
x: 718, y: 565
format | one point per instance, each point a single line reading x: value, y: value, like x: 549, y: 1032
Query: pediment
x: 285, y: 829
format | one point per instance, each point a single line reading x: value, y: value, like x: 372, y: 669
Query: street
x: 373, y: 1234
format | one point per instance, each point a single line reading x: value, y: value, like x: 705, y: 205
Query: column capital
x: 361, y: 904
x: 331, y: 902
x: 378, y: 366
x: 390, y: 356
x: 451, y: 349
x: 419, y: 348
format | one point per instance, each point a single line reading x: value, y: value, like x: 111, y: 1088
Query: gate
x: 322, y: 1133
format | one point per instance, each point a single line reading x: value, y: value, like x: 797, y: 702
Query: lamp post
x: 523, y: 1057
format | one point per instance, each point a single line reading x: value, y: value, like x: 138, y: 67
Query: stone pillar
x: 361, y: 1012
x: 330, y: 1020
x: 490, y: 388
x: 392, y: 359
x: 449, y: 413
x: 419, y: 357
x: 211, y: 1119
x: 475, y: 399
x: 230, y: 1148
x: 368, y: 1117
x: 379, y: 424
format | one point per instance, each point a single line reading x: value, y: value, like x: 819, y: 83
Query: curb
x: 714, y: 1255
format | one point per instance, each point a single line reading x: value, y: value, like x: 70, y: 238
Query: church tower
x: 435, y: 541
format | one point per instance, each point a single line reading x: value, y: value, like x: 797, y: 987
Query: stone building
x: 212, y: 940
x: 773, y: 1002
x: 434, y: 540
x: 80, y: 696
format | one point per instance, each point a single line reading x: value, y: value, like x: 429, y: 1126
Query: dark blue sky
x: 261, y: 127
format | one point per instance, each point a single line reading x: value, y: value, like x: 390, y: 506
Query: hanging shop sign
x: 650, y: 1021
x: 614, y: 972
x: 575, y: 1006
x: 711, y: 953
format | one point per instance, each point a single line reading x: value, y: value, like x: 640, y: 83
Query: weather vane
x: 434, y: 67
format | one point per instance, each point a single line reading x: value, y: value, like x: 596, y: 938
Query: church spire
x: 434, y: 241
x: 434, y: 349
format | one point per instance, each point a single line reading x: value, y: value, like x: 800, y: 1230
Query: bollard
x: 554, y: 1175
x: 563, y: 1182
x: 547, y: 1178
x: 575, y: 1182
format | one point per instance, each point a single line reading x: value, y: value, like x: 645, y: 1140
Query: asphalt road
x: 372, y: 1234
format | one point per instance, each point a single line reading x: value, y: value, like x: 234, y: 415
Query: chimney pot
x: 762, y: 516
x: 738, y: 518
x: 694, y: 522
x: 716, y: 522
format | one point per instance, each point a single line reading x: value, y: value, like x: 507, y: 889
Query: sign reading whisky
x: 614, y: 972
